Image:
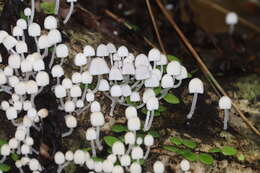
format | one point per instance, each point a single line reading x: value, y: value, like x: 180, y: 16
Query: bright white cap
x: 43, y: 113
x: 13, y: 80
x: 50, y: 22
x: 89, y: 51
x: 60, y: 91
x: 71, y: 121
x: 9, y: 42
x: 90, y: 164
x: 3, y: 34
x: 196, y: 86
x: 225, y: 102
x: 125, y: 160
x: 130, y: 112
x: 5, y: 150
x: 25, y: 161
x: 152, y: 104
x: 54, y: 37
x: 231, y: 18
x: 134, y: 124
x: 115, y: 74
x: 76, y: 78
x: 126, y: 90
x: 111, y: 48
x: 128, y: 69
x: 11, y: 113
x: 158, y: 167
x: 26, y: 66
x: 80, y: 59
x: 17, y: 31
x: 80, y: 103
x: 75, y: 91
x: 91, y: 134
x: 38, y: 65
x: 183, y: 75
x: 57, y: 71
x: 102, y: 50
x: 87, y: 78
x: 20, y: 134
x: 14, y: 61
x: 79, y: 157
x: 167, y: 81
x: 135, y: 168
x: 66, y: 83
x: 29, y: 141
x: 115, y: 91
x: 174, y: 68
x: 21, y: 47
x: 43, y: 42
x: 8, y: 71
x: 154, y: 55
x: 27, y: 12
x: 4, y: 105
x: 118, y: 148
x: 13, y: 143
x: 22, y: 23
x: 163, y: 60
x: 147, y: 94
x: 107, y: 166
x: 62, y: 51
x: 42, y: 78
x: 122, y: 51
x: 142, y: 72
x: 25, y: 149
x: 59, y: 158
x: 69, y: 155
x: 112, y: 158
x: 3, y: 78
x: 98, y: 167
x: 27, y: 121
x: 185, y: 165
x: 103, y: 85
x: 90, y: 96
x: 118, y: 169
x: 20, y: 88
x: 18, y: 105
x: 31, y: 87
x: 95, y: 107
x: 129, y: 138
x: 148, y: 140
x: 141, y: 60
x: 34, y: 30
x: 97, y: 119
x: 69, y: 106
x: 18, y: 164
x: 98, y: 66
x: 139, y: 141
x: 34, y: 165
x: 32, y: 113
x: 153, y: 81
x: 137, y: 153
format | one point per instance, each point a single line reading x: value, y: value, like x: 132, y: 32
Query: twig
x: 202, y: 64
x: 155, y: 26
x: 225, y: 11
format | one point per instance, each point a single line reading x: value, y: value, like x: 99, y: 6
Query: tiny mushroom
x: 225, y: 103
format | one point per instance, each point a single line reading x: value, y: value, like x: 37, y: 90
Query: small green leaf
x: 214, y: 150
x: 189, y: 75
x: 119, y: 128
x: 189, y: 143
x: 162, y: 109
x: 48, y: 7
x: 176, y: 141
x: 2, y: 142
x: 98, y: 159
x: 22, y: 16
x: 155, y: 134
x: 157, y: 90
x: 189, y: 155
x: 156, y: 113
x: 173, y: 58
x: 206, y: 158
x: 241, y: 157
x: 229, y: 151
x: 14, y: 156
x: 172, y: 99
x: 171, y: 148
x: 86, y: 149
x: 4, y: 167
x: 110, y: 140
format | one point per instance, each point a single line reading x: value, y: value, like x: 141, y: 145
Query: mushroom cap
x: 111, y: 48
x: 66, y: 83
x: 116, y: 91
x: 80, y: 59
x: 14, y: 61
x: 126, y: 90
x: 38, y: 65
x: 135, y: 168
x: 69, y: 155
x: 183, y: 74
x: 32, y: 113
x: 167, y: 81
x: 79, y: 157
x: 20, y: 134
x: 89, y: 51
x: 50, y: 22
x: 152, y: 82
x: 163, y: 60
x: 91, y: 134
x: 43, y: 113
x: 69, y: 106
x: 152, y: 104
x: 5, y: 105
x: 158, y: 167
x: 131, y: 112
x: 17, y: 31
x: 21, y: 23
x: 60, y: 91
x: 42, y: 78
x: 147, y: 94
x: 129, y: 138
x: 13, y: 143
x: 118, y: 148
x: 115, y: 74
x: 57, y: 71
x: 122, y: 51
x: 117, y: 169
x: 95, y: 107
x: 21, y: 47
x: 148, y: 140
x: 112, y: 158
x: 62, y: 51
x: 27, y: 12
x: 43, y: 42
x: 231, y: 18
x: 107, y: 166
x: 102, y: 50
x: 134, y: 124
x: 20, y: 88
x: 98, y: 66
x: 87, y: 78
x: 137, y: 153
x: 71, y: 121
x: 154, y: 55
x: 8, y: 71
x: 11, y: 113
x: 116, y: 57
x: 135, y: 97
x: 80, y: 103
x: 5, y: 150
x: 26, y: 66
x: 185, y: 165
x: 97, y: 119
x: 34, y: 30
x: 103, y: 85
x: 98, y: 167
x: 142, y: 72
x: 141, y: 60
x: 196, y: 86
x: 90, y: 164
x: 31, y: 87
x: 9, y: 42
x: 225, y: 102
x: 76, y: 78
x: 174, y: 68
x: 3, y: 34
x: 90, y: 96
x: 3, y: 78
x: 59, y: 158
x: 34, y: 164
x: 12, y: 80
x: 75, y: 91
x: 128, y: 68
x: 54, y: 37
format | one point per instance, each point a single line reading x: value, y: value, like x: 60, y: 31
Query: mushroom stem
x: 135, y: 84
x: 147, y: 152
x: 178, y: 84
x: 67, y: 133
x: 52, y: 57
x: 99, y: 146
x: 32, y: 99
x: 84, y: 92
x: 36, y: 42
x: 193, y: 106
x: 57, y: 6
x: 14, y: 123
x: 147, y: 120
x: 93, y: 148
x: 231, y: 29
x: 21, y: 170
x: 3, y: 159
x: 35, y: 151
x: 45, y: 53
x: 33, y: 10
x: 111, y: 59
x: 62, y: 103
x: 83, y: 109
x: 113, y: 105
x: 36, y: 128
x: 70, y: 13
x: 129, y: 148
x: 226, y: 118
x: 164, y: 92
x: 151, y: 121
x: 98, y: 82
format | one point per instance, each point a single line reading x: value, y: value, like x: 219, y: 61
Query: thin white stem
x: 226, y: 118
x: 21, y: 170
x: 94, y: 154
x: 57, y: 6
x: 164, y: 92
x: 97, y: 86
x: 178, y: 84
x: 36, y: 42
x: 62, y: 103
x: 45, y: 53
x: 84, y: 92
x: 33, y: 11
x: 151, y: 121
x: 82, y: 110
x: 99, y: 146
x: 113, y: 105
x: 70, y: 13
x: 193, y: 106
x: 147, y: 152
x: 52, y: 56
x: 68, y: 133
x: 147, y: 119
x: 129, y: 148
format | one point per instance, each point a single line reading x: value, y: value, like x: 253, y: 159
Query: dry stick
x: 155, y: 26
x: 225, y: 11
x: 201, y: 63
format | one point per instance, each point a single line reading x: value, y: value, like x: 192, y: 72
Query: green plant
x: 48, y: 7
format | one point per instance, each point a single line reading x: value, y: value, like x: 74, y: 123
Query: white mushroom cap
x: 152, y: 104
x: 13, y: 80
x: 91, y: 134
x: 17, y: 31
x: 71, y: 121
x: 8, y: 71
x: 112, y: 158
x: 129, y: 138
x: 79, y: 157
x: 66, y: 83
x: 27, y: 12
x: 97, y: 119
x: 103, y: 85
x: 22, y: 23
x: 98, y: 167
x: 115, y: 91
x: 3, y: 35
x: 50, y: 22
x: 9, y: 42
x: 174, y: 68
x: 18, y: 164
x: 183, y: 75
x: 154, y: 55
x: 32, y: 113
x: 69, y: 106
x: 196, y: 86
x: 128, y: 68
x: 59, y: 158
x: 141, y: 60
x: 34, y: 165
x: 57, y: 71
x: 90, y: 96
x: 80, y: 104
x: 25, y: 161
x: 11, y: 113
x: 27, y: 121
x: 80, y: 59
x: 163, y: 60
x: 158, y: 167
x: 118, y: 148
x: 98, y: 66
x: 130, y: 112
x: 26, y: 66
x: 76, y: 78
x: 20, y: 88
x: 34, y: 30
x: 139, y: 141
x: 137, y: 153
x: 107, y: 166
x: 29, y: 141
x: 62, y: 51
x: 13, y: 143
x: 60, y: 91
x: 20, y: 134
x: 3, y: 78
x: 18, y: 105
x: 75, y: 91
x: 21, y: 47
x: 147, y: 94
x: 117, y: 169
x: 4, y: 105
x: 5, y: 150
x: 167, y: 81
x: 126, y: 90
x: 14, y: 61
x: 89, y: 51
x: 142, y: 72
x: 185, y: 165
x: 148, y: 140
x: 43, y: 42
x: 54, y: 37
x: 42, y: 78
x: 111, y: 48
x: 38, y: 65
x: 225, y: 102
x: 116, y: 57
x: 231, y: 18
x: 134, y: 124
x: 87, y: 78
x: 153, y: 81
x: 69, y: 155
x: 135, y: 168
x: 115, y: 74
x: 31, y: 87
x: 95, y: 107
x: 122, y: 51
x: 102, y: 50
x: 90, y: 164
x: 43, y: 113
x: 25, y: 149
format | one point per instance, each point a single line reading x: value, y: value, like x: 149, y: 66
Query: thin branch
x: 155, y: 26
x: 202, y: 64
